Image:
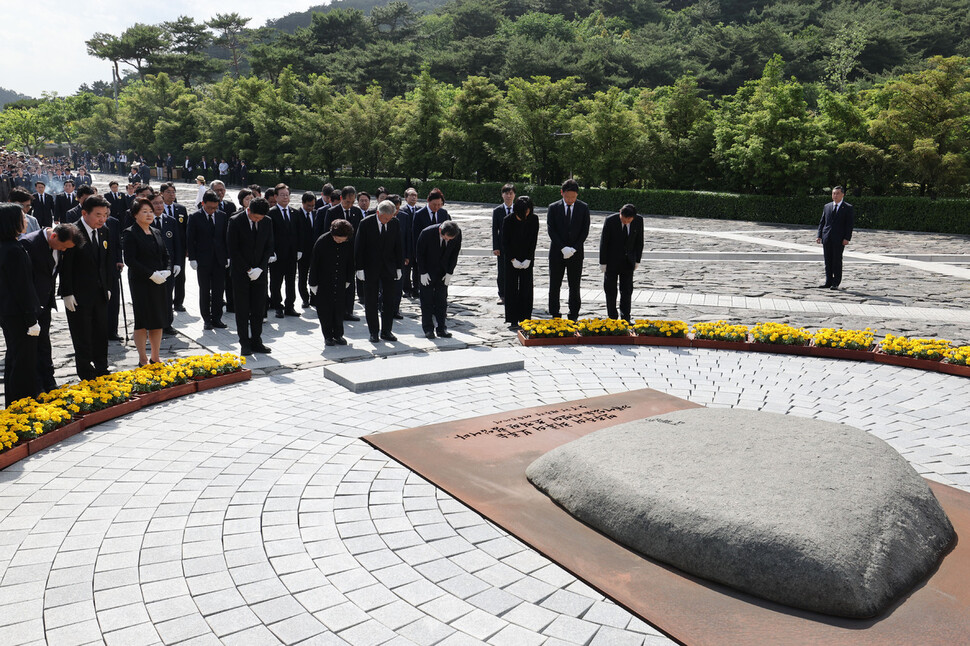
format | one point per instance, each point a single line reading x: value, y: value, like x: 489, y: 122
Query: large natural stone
x: 811, y: 514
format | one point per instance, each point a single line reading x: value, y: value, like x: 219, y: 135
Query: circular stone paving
x: 253, y: 514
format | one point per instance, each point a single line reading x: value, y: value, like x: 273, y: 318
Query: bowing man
x: 621, y: 246
x: 436, y: 257
x: 379, y: 257
x: 249, y: 240
x: 287, y: 231
x: 206, y: 250
x: 331, y: 273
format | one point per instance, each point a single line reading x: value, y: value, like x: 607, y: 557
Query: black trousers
x: 501, y: 264
x: 434, y: 306
x: 832, y: 252
x: 329, y: 302
x: 45, y: 354
x: 356, y: 287
x: 303, y: 273
x: 211, y: 287
x: 383, y: 320
x: 228, y: 283
x: 573, y: 268
x: 178, y: 299
x: 407, y: 279
x: 280, y: 272
x: 89, y: 334
x: 625, y: 278
x: 250, y: 300
x: 20, y: 361
x: 114, y: 304
x: 518, y: 294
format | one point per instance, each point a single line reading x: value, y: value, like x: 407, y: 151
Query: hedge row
x: 889, y: 213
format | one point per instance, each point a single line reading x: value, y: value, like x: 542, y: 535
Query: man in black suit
x: 170, y: 167
x: 567, y: 222
x: 229, y: 208
x: 65, y: 201
x: 206, y: 250
x: 406, y: 216
x: 249, y: 240
x: 42, y: 205
x: 621, y: 246
x: 323, y: 202
x: 347, y: 210
x: 499, y: 213
x: 307, y: 240
x: 73, y: 215
x: 288, y: 229
x: 112, y: 229
x: 379, y: 257
x: 171, y: 235
x: 432, y: 213
x: 118, y: 201
x: 436, y: 257
x: 84, y: 290
x: 332, y: 272
x: 834, y: 234
x: 46, y: 249
x: 181, y: 215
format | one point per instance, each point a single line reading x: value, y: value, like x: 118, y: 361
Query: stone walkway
x: 254, y: 514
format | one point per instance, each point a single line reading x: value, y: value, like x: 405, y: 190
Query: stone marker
x: 416, y: 370
x: 811, y: 514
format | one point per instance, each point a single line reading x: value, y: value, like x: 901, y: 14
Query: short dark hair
x: 268, y: 193
x: 11, y: 221
x: 113, y: 182
x: 281, y: 186
x: 68, y: 231
x: 839, y: 189
x: 327, y: 190
x: 436, y: 194
x: 347, y: 190
x: 94, y: 202
x: 570, y: 185
x: 164, y: 186
x: 364, y: 193
x: 141, y: 188
x: 210, y: 196
x: 395, y: 198
x: 380, y: 189
x: 86, y: 189
x: 522, y: 206
x: 243, y: 194
x: 259, y: 206
x: 19, y: 195
x: 137, y: 205
x: 41, y: 182
x: 255, y: 188
x: 508, y: 188
x: 342, y: 228
x: 308, y: 197
x: 69, y: 181
x: 450, y: 228
x: 628, y: 210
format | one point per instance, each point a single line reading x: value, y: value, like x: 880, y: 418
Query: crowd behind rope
x: 255, y: 256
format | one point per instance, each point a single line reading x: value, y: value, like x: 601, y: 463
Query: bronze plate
x: 481, y: 461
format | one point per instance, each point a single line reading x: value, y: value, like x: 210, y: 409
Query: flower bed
x: 780, y: 334
x: 927, y: 349
x: 721, y: 331
x: 668, y: 329
x: 72, y: 408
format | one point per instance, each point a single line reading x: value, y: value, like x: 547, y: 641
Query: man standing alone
x: 568, y: 224
x: 834, y: 234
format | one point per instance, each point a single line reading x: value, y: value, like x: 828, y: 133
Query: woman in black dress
x: 18, y: 308
x: 520, y: 233
x: 147, y: 261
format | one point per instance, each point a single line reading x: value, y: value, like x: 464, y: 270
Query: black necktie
x: 569, y: 214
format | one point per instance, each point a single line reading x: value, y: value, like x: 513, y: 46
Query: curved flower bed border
x: 138, y: 400
x: 810, y: 350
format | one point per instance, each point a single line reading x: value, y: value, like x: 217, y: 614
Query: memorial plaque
x: 482, y: 461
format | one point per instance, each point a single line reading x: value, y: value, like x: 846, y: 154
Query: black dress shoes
x: 374, y: 338
x: 220, y: 325
x: 825, y: 286
x: 340, y: 341
x: 351, y: 317
x: 169, y: 331
x: 207, y: 326
x: 444, y: 334
x: 179, y: 308
x: 279, y: 314
x: 305, y: 304
x: 114, y: 337
x: 262, y: 349
x: 429, y: 335
x: 388, y: 336
x: 399, y: 316
x: 289, y: 311
x: 833, y: 286
x: 328, y: 341
x: 246, y: 351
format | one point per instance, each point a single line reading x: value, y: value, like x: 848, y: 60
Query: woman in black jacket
x: 18, y: 308
x: 148, y: 261
x: 520, y: 233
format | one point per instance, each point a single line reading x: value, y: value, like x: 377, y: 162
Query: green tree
x: 468, y: 134
x: 24, y: 128
x: 420, y: 151
x: 107, y: 47
x: 369, y: 118
x: 276, y: 116
x: 604, y: 139
x: 140, y: 43
x: 100, y: 130
x: 231, y: 28
x: 324, y: 117
x: 766, y: 138
x: 64, y: 115
x: 156, y: 115
x: 187, y: 57
x: 226, y: 117
x: 396, y: 20
x: 532, y: 123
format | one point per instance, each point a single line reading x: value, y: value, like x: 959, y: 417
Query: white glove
x: 34, y: 330
x: 313, y: 289
x: 360, y: 274
x: 526, y: 264
x: 603, y: 268
x: 346, y: 285
x: 177, y: 270
x: 157, y: 278
x: 299, y: 255
x: 567, y: 252
x: 446, y: 280
x: 165, y: 273
x: 70, y: 303
x: 516, y: 264
x: 636, y: 265
x: 398, y: 275
x: 425, y: 279
x: 109, y: 295
x: 227, y: 264
x: 272, y: 258
x: 194, y: 264
x: 254, y: 273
